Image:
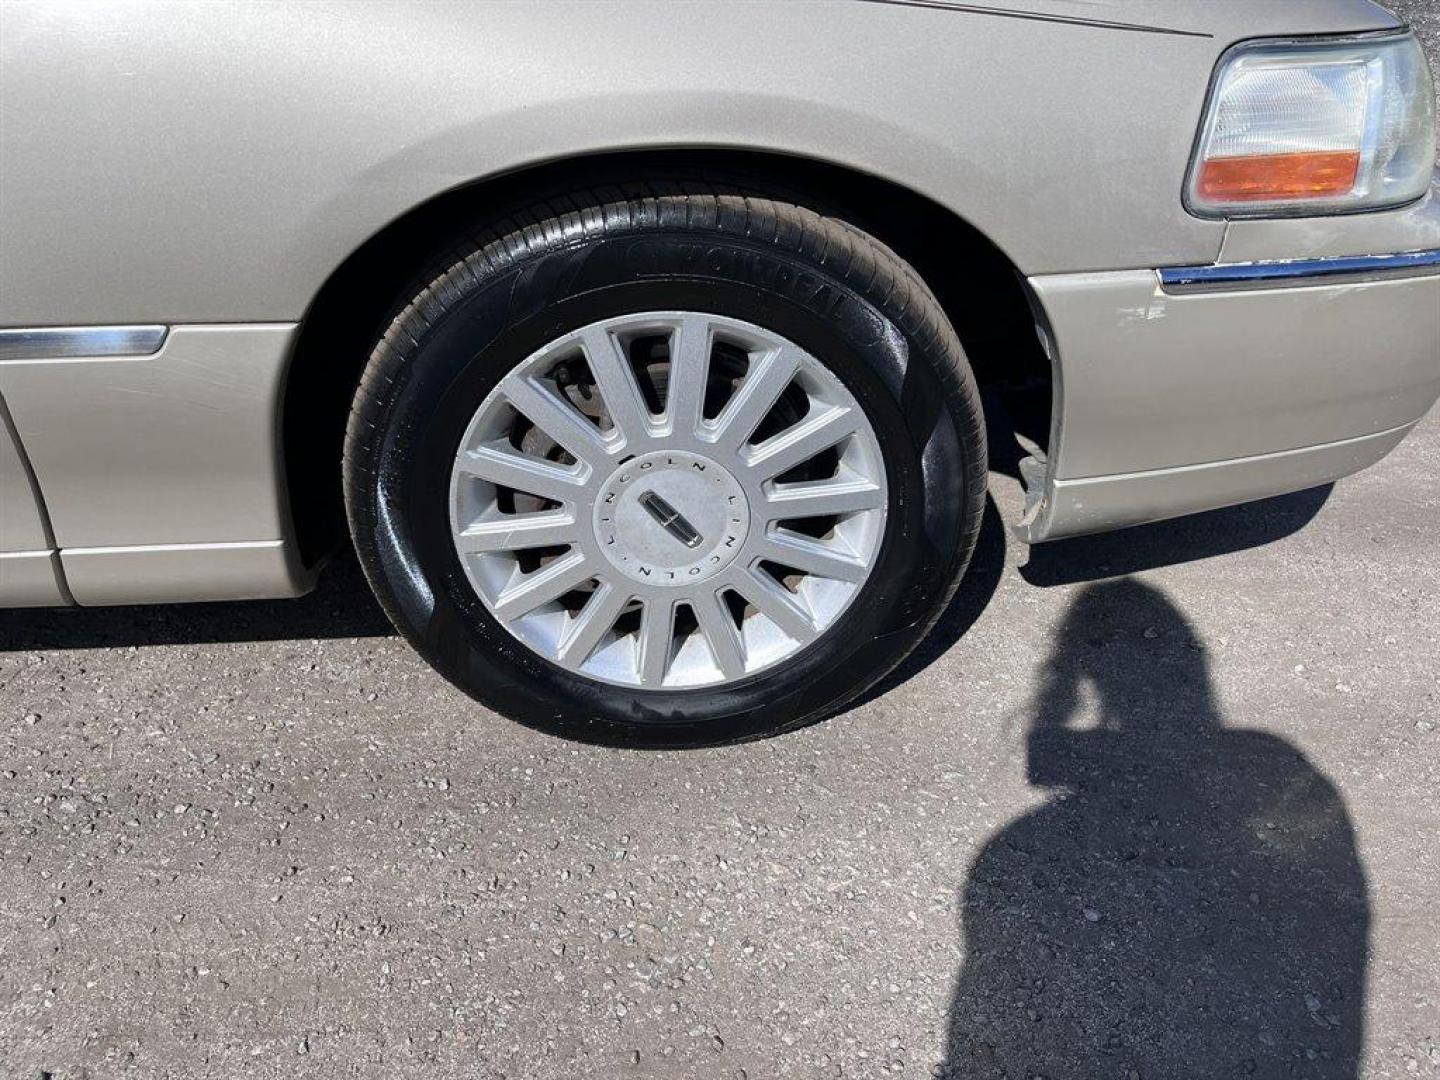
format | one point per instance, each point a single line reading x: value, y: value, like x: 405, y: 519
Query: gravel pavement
x: 1161, y: 803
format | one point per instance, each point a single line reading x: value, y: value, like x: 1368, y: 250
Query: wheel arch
x: 979, y: 286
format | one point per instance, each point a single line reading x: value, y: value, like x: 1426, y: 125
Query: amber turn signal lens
x: 1314, y: 126
x: 1311, y: 175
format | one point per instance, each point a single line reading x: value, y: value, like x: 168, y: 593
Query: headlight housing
x: 1306, y: 127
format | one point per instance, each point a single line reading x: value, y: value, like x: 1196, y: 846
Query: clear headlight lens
x: 1308, y: 127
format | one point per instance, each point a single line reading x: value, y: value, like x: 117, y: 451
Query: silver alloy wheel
x: 669, y: 499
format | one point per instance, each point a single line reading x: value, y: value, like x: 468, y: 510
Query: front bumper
x: 1176, y: 396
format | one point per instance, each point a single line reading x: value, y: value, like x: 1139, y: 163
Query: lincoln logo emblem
x: 670, y: 519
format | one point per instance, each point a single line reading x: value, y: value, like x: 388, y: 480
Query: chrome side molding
x: 1223, y: 277
x: 63, y: 342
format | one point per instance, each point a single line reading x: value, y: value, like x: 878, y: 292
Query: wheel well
x: 981, y: 291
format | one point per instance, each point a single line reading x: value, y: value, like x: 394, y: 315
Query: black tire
x: 822, y: 283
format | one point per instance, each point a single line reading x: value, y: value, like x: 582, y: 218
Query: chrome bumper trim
x: 1289, y: 273
x: 65, y: 342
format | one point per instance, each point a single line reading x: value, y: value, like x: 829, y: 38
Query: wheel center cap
x: 671, y: 518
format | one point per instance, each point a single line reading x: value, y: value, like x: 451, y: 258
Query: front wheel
x: 667, y: 469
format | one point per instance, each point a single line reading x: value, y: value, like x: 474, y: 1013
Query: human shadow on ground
x: 1188, y: 901
x: 1093, y: 558
x: 1107, y: 555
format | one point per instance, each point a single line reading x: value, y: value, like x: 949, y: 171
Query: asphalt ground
x: 1159, y: 803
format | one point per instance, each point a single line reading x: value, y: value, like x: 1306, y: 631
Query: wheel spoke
x: 557, y: 418
x: 543, y: 585
x: 778, y: 604
x: 657, y: 630
x: 718, y: 629
x: 615, y: 379
x: 811, y: 557
x: 689, y: 369
x: 591, y: 624
x: 532, y: 475
x: 822, y: 498
x: 801, y: 442
x: 516, y: 532
x: 756, y: 395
